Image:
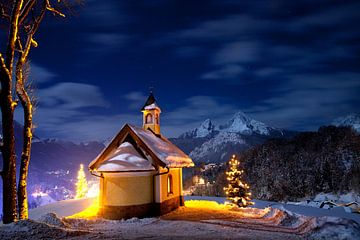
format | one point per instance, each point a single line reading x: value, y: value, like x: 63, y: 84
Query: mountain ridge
x: 215, y: 143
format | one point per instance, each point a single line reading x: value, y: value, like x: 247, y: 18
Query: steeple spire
x: 151, y: 114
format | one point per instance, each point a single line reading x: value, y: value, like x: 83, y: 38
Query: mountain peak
x: 241, y: 115
x: 352, y: 120
x: 205, y: 129
x: 241, y: 123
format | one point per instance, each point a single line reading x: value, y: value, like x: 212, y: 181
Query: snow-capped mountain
x: 215, y: 143
x: 241, y: 123
x: 207, y: 128
x: 352, y: 120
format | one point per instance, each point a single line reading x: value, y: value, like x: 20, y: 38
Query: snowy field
x: 204, y: 219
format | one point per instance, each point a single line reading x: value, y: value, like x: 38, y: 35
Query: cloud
x: 87, y: 127
x: 106, y: 13
x: 100, y: 42
x: 237, y: 52
x: 136, y: 99
x: 70, y: 95
x: 195, y: 110
x: 39, y: 74
x: 64, y: 109
x: 309, y: 100
x: 226, y: 72
x: 226, y: 28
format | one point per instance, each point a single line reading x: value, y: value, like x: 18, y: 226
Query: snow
x: 216, y: 144
x: 205, y: 129
x: 61, y: 208
x: 151, y: 106
x: 241, y: 123
x: 198, y: 220
x: 299, y: 209
x: 167, y: 152
x: 335, y: 228
x: 352, y: 120
x: 125, y: 158
x: 41, y: 198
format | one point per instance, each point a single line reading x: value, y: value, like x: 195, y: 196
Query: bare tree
x: 22, y: 18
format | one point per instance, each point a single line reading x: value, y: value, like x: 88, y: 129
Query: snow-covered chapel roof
x: 125, y: 158
x: 156, y: 149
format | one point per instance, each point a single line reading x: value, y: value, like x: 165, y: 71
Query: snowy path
x: 303, y: 210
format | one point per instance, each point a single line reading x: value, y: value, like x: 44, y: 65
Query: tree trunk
x: 27, y: 135
x: 7, y: 104
x: 8, y: 173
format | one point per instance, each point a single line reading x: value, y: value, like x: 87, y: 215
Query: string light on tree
x: 237, y: 191
x: 81, y: 185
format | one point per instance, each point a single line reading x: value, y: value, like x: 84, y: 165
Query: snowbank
x: 62, y: 208
x: 299, y: 209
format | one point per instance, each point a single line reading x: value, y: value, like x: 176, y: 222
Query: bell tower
x: 151, y: 115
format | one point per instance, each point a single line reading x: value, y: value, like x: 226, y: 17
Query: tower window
x: 149, y: 118
x: 157, y: 118
x: 169, y: 184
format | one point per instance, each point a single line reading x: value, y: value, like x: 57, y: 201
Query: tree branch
x: 13, y: 33
x: 25, y: 10
x: 3, y: 66
x: 37, y: 21
x: 53, y: 10
x: 3, y: 14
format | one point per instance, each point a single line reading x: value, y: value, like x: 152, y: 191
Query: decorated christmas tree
x: 237, y: 191
x: 81, y: 185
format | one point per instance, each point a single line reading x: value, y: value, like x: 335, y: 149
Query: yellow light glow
x: 204, y: 204
x: 89, y: 213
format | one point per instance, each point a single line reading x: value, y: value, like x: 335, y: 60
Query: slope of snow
x: 62, y: 208
x: 41, y: 198
x: 205, y: 129
x: 216, y: 144
x: 352, y: 120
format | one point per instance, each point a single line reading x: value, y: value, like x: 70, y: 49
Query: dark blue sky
x: 290, y: 64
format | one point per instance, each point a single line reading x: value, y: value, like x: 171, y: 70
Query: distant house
x: 140, y: 170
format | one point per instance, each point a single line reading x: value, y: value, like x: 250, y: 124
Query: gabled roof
x: 125, y: 158
x: 156, y: 148
x: 150, y: 102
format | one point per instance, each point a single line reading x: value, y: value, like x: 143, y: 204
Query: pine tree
x: 237, y: 191
x: 81, y: 185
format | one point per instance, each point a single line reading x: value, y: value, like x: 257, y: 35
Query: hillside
x: 309, y: 163
x: 53, y: 166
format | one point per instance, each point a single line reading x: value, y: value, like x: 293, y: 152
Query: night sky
x: 290, y: 64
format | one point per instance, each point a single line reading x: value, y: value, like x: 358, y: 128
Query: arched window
x: 157, y: 118
x: 169, y: 184
x: 149, y: 118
